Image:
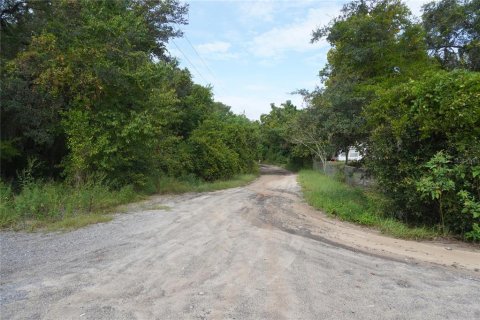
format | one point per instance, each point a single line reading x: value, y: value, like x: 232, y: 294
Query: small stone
x: 448, y: 248
x: 201, y: 293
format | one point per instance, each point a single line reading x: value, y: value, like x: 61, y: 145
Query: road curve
x: 256, y: 252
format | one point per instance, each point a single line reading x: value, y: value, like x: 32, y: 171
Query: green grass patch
x: 60, y: 206
x: 356, y: 205
x: 78, y: 221
x: 158, y: 207
x: 191, y: 184
x: 56, y: 205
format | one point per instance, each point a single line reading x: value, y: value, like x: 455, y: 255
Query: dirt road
x: 257, y: 252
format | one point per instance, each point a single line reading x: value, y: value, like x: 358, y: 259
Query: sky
x: 254, y: 53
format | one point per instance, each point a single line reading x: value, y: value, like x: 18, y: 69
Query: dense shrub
x: 425, y: 149
x: 107, y: 99
x: 50, y: 201
x: 223, y: 148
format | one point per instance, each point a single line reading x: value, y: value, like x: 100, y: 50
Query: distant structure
x: 353, y: 154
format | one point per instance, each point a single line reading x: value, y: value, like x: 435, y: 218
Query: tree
x: 90, y: 90
x: 374, y: 45
x: 224, y: 145
x: 424, y: 148
x: 453, y: 32
x: 273, y: 126
x: 308, y: 130
x: 19, y: 21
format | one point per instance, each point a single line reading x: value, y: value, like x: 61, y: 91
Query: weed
x: 355, y: 205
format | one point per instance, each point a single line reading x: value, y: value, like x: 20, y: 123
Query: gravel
x: 254, y: 252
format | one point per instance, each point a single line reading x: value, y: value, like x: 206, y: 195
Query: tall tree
x: 309, y: 129
x: 90, y: 90
x: 453, y: 32
x: 374, y: 44
x: 274, y: 131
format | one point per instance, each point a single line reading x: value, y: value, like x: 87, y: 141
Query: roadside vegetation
x: 104, y: 115
x: 405, y: 92
x: 61, y: 206
x: 175, y: 185
x: 100, y: 116
x: 365, y: 207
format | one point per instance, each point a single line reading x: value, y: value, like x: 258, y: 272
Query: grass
x: 58, y: 206
x: 355, y: 205
x: 173, y: 185
x: 53, y: 205
x: 78, y: 221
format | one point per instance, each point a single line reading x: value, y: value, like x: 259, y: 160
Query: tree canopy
x: 406, y: 93
x: 88, y: 88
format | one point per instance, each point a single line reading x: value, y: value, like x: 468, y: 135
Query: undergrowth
x: 365, y: 207
x: 192, y: 184
x: 61, y: 206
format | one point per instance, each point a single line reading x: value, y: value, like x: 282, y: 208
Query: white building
x: 353, y: 154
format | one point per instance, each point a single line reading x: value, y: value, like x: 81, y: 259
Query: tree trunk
x: 347, y: 149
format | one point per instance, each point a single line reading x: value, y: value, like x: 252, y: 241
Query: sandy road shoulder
x: 290, y: 212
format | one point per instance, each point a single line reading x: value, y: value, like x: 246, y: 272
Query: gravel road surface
x: 256, y: 252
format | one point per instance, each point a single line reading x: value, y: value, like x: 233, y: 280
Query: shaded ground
x: 256, y: 252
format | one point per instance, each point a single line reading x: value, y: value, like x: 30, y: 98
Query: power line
x: 186, y: 58
x: 206, y: 66
x: 201, y: 59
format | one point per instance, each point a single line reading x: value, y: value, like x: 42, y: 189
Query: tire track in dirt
x: 256, y: 252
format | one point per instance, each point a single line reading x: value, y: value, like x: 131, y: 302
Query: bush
x: 7, y: 215
x: 51, y: 201
x: 353, y: 204
x: 424, y: 149
x: 222, y: 149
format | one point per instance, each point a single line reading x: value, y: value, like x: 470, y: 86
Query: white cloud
x: 217, y: 50
x: 294, y: 36
x: 214, y: 47
x: 416, y: 6
x: 261, y: 10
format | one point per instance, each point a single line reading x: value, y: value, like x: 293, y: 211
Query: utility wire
x: 186, y: 58
x: 201, y: 59
x: 214, y: 77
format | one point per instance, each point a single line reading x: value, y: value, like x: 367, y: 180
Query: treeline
x: 89, y: 92
x: 406, y: 93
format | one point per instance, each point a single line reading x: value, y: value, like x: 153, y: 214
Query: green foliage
x: 453, y: 32
x: 222, y: 149
x: 308, y: 130
x: 473, y: 235
x: 107, y: 100
x: 276, y: 147
x: 374, y: 44
x: 355, y: 205
x: 47, y: 202
x: 371, y: 38
x: 7, y: 215
x: 424, y: 149
x: 471, y: 207
x: 89, y: 100
x: 438, y: 182
x: 439, y: 178
x: 418, y: 126
x: 193, y: 184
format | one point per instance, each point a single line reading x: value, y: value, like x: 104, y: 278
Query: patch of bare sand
x: 297, y: 216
